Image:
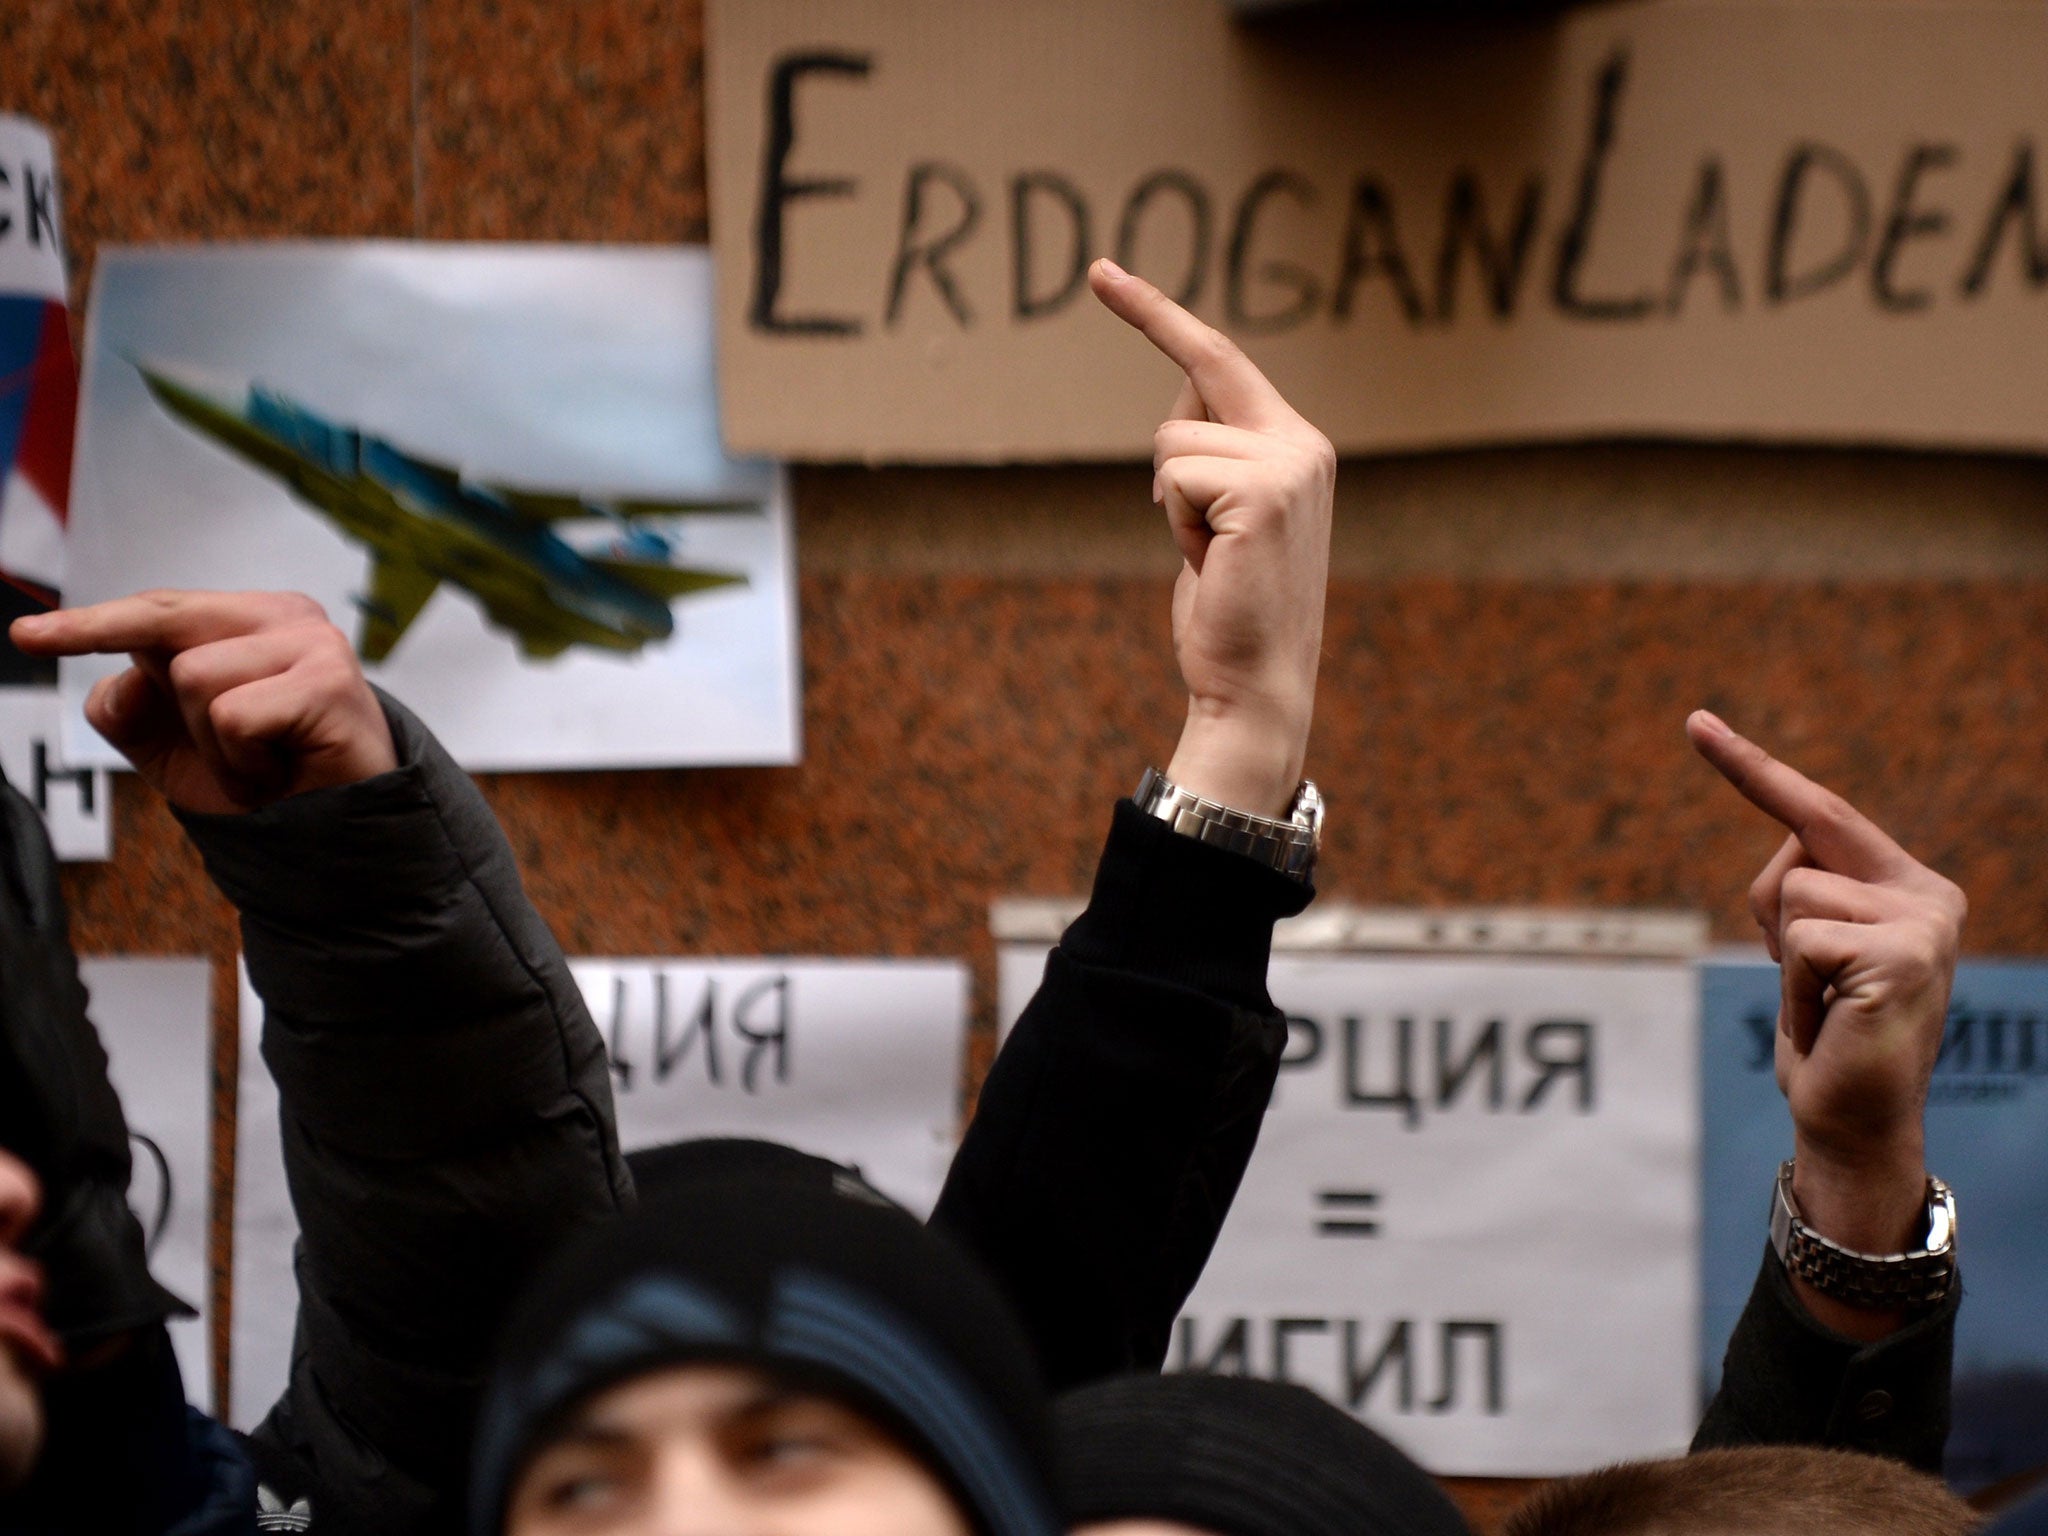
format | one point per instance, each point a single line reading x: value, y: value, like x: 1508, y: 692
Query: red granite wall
x: 972, y: 706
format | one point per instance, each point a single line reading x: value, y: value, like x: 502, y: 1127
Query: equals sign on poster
x: 1347, y: 1212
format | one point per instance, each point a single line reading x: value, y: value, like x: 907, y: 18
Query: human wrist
x: 1248, y: 760
x: 1874, y: 1203
x: 1868, y: 1217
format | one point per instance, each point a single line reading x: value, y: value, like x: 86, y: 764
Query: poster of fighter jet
x: 498, y: 468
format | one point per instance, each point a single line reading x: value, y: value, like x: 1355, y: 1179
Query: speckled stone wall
x: 1481, y: 743
x: 1514, y: 638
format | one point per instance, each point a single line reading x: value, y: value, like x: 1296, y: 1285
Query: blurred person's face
x: 1139, y: 1528
x: 27, y: 1348
x: 701, y: 1450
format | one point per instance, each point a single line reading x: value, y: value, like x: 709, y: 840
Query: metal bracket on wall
x: 1610, y: 932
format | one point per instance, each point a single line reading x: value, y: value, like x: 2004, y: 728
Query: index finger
x: 1837, y: 835
x: 148, y: 621
x: 1234, y: 390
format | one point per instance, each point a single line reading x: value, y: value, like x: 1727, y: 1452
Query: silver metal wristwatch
x: 1919, y: 1278
x: 1289, y: 846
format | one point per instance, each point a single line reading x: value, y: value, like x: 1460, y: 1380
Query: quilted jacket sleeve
x: 1119, y: 1117
x: 446, y: 1112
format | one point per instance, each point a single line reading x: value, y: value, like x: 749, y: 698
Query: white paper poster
x: 154, y: 1018
x: 498, y: 467
x: 1473, y: 1215
x: 857, y: 1060
x: 31, y: 221
x: 76, y: 803
x: 265, y: 1293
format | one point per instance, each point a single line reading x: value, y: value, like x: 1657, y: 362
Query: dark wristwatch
x: 1289, y: 846
x: 1885, y: 1281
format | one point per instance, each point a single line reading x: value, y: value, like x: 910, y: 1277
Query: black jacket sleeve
x: 1786, y: 1380
x: 446, y: 1115
x: 1118, y: 1119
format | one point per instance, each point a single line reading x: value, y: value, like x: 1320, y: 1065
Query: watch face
x: 1941, y: 1217
x: 1308, y: 808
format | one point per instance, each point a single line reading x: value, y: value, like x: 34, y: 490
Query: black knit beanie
x: 1237, y: 1457
x: 678, y: 1166
x: 772, y: 1265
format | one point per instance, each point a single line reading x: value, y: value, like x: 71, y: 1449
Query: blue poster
x: 1987, y: 1134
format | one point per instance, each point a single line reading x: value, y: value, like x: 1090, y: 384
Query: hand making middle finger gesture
x: 1247, y: 485
x: 1866, y: 938
x: 233, y: 699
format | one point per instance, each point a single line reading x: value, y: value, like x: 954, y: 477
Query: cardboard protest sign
x: 497, y: 467
x: 1795, y: 220
x: 155, y: 1022
x: 1477, y: 1184
x: 1987, y: 1122
x: 856, y: 1060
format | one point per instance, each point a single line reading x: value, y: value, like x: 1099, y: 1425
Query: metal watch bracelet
x: 1288, y: 846
x: 1917, y: 1278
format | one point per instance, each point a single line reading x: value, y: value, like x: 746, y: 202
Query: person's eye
x: 799, y: 1440
x: 587, y: 1490
x: 794, y: 1450
x: 791, y: 1448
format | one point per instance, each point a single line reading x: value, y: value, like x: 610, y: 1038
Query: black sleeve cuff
x: 1787, y: 1380
x: 332, y: 855
x: 1178, y: 910
x: 389, y: 904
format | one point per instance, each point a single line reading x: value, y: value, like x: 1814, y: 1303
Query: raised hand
x: 1865, y: 937
x: 1246, y: 484
x: 234, y: 699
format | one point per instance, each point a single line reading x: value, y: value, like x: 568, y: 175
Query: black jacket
x: 446, y: 1111
x: 1786, y: 1380
x: 122, y: 1452
x: 1119, y: 1118
x: 447, y: 1118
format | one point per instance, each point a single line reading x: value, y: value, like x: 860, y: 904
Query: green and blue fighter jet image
x: 424, y: 523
